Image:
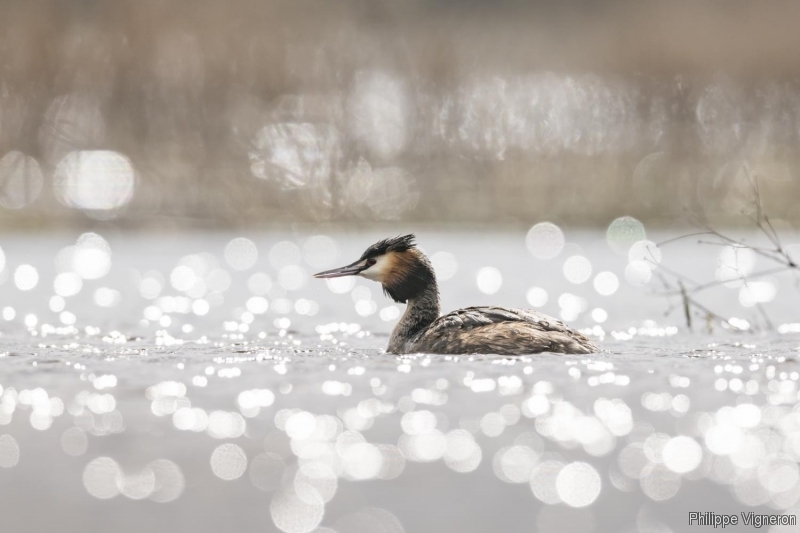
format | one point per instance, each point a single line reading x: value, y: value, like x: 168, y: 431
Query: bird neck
x: 420, y: 313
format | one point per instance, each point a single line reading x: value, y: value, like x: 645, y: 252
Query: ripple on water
x: 311, y: 409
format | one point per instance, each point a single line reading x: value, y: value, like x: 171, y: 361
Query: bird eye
x: 371, y: 261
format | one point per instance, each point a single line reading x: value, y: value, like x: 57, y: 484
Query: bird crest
x: 394, y: 244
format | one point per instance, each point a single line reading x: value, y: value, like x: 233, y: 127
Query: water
x: 155, y: 392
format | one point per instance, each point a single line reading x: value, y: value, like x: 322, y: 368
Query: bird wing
x: 499, y: 330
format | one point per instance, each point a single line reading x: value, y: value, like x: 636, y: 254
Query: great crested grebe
x: 408, y: 277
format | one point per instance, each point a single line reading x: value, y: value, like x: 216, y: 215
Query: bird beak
x: 349, y: 270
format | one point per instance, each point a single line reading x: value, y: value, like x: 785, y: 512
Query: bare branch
x: 777, y: 255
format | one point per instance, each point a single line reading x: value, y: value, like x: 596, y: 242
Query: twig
x: 766, y: 316
x: 717, y: 283
x: 686, y: 311
x: 674, y: 239
x: 777, y: 254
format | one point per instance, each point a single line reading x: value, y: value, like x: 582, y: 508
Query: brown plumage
x: 499, y: 330
x: 408, y: 277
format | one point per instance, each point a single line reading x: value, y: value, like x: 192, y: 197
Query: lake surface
x: 205, y: 382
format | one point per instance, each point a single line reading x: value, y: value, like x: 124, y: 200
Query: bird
x: 407, y: 276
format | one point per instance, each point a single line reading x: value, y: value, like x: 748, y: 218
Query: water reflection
x: 9, y: 451
x: 297, y: 509
x: 241, y: 254
x: 237, y: 377
x: 26, y: 277
x: 623, y: 233
x: 545, y: 240
x: 228, y: 462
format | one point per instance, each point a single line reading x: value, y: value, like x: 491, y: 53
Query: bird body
x: 495, y: 330
x: 408, y: 277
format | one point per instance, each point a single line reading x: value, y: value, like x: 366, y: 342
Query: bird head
x: 396, y: 263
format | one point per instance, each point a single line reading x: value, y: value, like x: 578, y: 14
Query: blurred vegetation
x: 448, y: 112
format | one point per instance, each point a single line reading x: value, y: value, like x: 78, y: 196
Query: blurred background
x: 548, y: 154
x: 159, y: 114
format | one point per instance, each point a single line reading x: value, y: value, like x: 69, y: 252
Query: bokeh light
x: 445, y: 265
x: 91, y: 256
x: 623, y: 233
x: 169, y: 482
x: 543, y: 481
x: 577, y: 269
x: 734, y: 264
x: 96, y: 181
x: 297, y: 510
x: 489, y: 280
x: 228, y: 461
x: 537, y: 296
x: 645, y: 251
x: 757, y: 292
x: 9, y: 451
x: 578, y: 484
x: 103, y: 478
x: 682, y: 454
x: 26, y: 277
x: 545, y: 240
x: 241, y: 253
x: 74, y: 441
x: 606, y: 283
